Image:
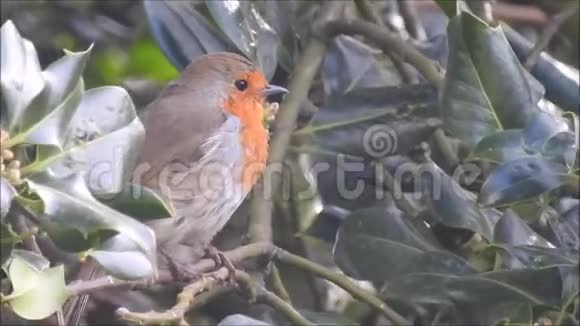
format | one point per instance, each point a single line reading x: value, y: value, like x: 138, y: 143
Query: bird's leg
x: 221, y: 260
x: 178, y: 271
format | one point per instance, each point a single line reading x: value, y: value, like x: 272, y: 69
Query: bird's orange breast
x: 253, y: 136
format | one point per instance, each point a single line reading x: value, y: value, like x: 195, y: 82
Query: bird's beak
x: 273, y: 90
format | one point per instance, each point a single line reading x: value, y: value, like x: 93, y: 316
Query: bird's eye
x: 241, y: 84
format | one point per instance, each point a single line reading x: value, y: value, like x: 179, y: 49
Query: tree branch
x: 277, y: 284
x: 253, y: 250
x: 261, y: 208
x: 260, y: 294
x: 370, y: 14
x: 185, y: 300
x: 548, y: 32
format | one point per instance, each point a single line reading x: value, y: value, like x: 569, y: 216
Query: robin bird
x: 205, y: 146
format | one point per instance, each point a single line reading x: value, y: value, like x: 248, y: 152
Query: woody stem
x: 260, y: 228
x: 259, y: 250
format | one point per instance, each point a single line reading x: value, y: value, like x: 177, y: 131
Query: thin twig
x: 185, y: 300
x: 413, y: 25
x: 370, y: 14
x: 260, y: 294
x: 343, y: 282
x: 277, y: 284
x: 548, y: 32
x: 388, y: 42
x: 255, y: 250
x: 449, y: 155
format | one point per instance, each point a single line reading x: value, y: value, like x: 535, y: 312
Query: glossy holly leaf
x: 543, y: 126
x: 512, y: 230
x: 326, y: 224
x: 370, y: 240
x: 500, y: 147
x: 452, y: 205
x: 7, y: 193
x: 349, y: 64
x: 527, y: 256
x: 366, y: 122
x: 70, y: 210
x: 182, y: 32
x: 140, y: 203
x: 554, y: 136
x: 284, y: 19
x: 37, y: 290
x: 565, y: 228
x: 128, y: 265
x: 486, y: 90
x: 563, y: 148
x: 477, y: 298
x: 21, y: 78
x: 46, y: 118
x: 522, y: 179
x: 245, y: 27
x: 103, y: 139
x: 452, y: 8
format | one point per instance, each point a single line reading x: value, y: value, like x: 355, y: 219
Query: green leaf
x: 69, y: 205
x: 562, y: 148
x: 379, y: 245
x: 249, y: 31
x: 21, y: 77
x: 104, y: 139
x: 49, y: 130
x: 128, y: 265
x: 476, y: 298
x: 500, y: 147
x: 366, y: 122
x: 141, y: 203
x: 543, y: 126
x: 7, y: 193
x: 522, y: 179
x: 512, y: 230
x: 182, y: 32
x: 38, y: 291
x: 452, y: 205
x: 350, y: 64
x: 535, y: 257
x: 486, y: 89
x: 448, y: 7
x: 452, y: 8
x: 55, y: 104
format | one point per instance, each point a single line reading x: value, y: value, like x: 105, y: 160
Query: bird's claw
x: 178, y: 271
x: 221, y: 261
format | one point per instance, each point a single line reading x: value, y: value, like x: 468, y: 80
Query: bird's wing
x: 176, y: 125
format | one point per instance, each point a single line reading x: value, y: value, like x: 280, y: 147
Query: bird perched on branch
x: 206, y: 145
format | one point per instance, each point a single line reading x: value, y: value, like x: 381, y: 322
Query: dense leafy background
x: 490, y: 235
